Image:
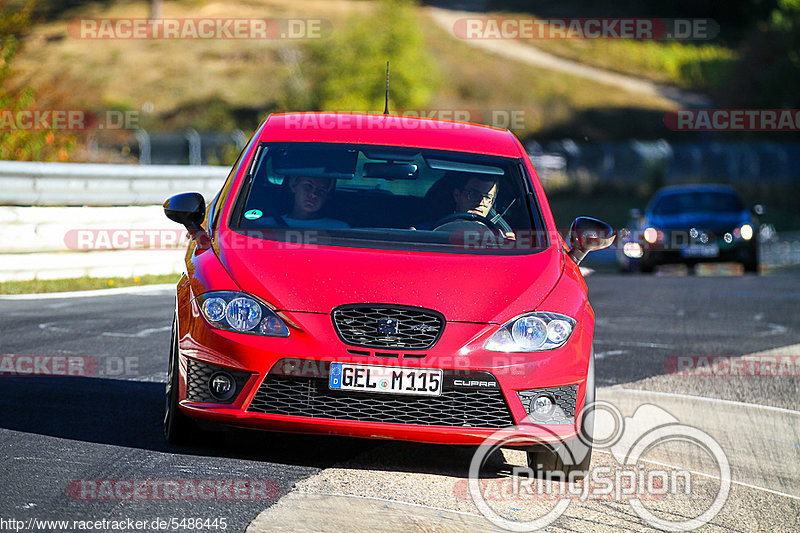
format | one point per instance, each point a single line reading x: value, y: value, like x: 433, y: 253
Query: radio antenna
x: 386, y: 105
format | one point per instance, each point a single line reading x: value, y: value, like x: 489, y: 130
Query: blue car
x: 691, y: 224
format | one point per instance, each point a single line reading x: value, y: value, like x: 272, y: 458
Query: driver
x: 458, y: 195
x: 475, y: 195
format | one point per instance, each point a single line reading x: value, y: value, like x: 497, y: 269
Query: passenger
x: 310, y: 196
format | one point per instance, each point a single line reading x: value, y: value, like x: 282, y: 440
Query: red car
x: 384, y: 277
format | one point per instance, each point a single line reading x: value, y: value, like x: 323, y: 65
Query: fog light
x: 542, y: 405
x: 221, y: 386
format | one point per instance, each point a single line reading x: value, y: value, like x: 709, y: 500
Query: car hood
x: 463, y: 287
x: 716, y: 222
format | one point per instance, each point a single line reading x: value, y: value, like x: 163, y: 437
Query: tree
x: 19, y: 143
x: 768, y: 72
x: 346, y: 70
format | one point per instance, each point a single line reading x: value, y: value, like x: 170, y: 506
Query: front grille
x: 311, y: 397
x: 197, y: 376
x: 384, y: 326
x: 564, y: 410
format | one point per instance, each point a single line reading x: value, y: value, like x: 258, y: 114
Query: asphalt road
x: 60, y: 434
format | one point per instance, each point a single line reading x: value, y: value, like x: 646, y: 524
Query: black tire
x: 751, y: 265
x: 646, y: 268
x: 625, y: 267
x: 178, y: 428
x: 569, y: 460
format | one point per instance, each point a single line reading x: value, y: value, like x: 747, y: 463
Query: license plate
x: 386, y: 379
x: 701, y: 250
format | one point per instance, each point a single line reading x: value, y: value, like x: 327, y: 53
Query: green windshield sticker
x: 253, y: 214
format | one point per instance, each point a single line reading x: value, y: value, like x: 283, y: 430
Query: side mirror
x: 189, y: 209
x: 588, y: 234
x: 758, y: 210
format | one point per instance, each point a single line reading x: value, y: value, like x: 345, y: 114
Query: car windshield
x: 389, y: 197
x: 698, y: 202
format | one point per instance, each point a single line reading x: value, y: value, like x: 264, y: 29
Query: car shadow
x: 130, y: 414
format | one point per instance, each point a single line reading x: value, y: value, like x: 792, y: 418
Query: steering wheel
x: 471, y: 217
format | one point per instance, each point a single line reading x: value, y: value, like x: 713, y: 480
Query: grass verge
x: 81, y: 284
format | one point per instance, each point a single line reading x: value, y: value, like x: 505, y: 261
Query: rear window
x: 389, y: 197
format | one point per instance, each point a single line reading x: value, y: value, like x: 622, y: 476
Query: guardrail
x: 78, y: 184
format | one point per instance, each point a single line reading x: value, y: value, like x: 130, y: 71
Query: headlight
x: 746, y: 231
x: 632, y: 250
x: 242, y: 313
x: 651, y: 235
x: 532, y: 332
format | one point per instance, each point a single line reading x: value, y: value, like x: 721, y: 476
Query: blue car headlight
x: 746, y: 231
x: 532, y: 332
x: 242, y: 313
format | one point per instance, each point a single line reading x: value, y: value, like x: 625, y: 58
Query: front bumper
x: 282, y: 383
x: 740, y: 252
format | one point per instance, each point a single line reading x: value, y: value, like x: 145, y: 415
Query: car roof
x: 389, y: 130
x: 696, y: 187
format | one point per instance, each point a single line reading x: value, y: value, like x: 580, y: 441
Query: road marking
x: 638, y: 344
x: 603, y: 355
x: 139, y: 334
x: 711, y: 476
x: 137, y: 289
x: 703, y: 398
x: 142, y: 333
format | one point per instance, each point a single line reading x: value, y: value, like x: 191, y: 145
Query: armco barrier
x: 33, y: 241
x: 41, y: 242
x: 78, y: 184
